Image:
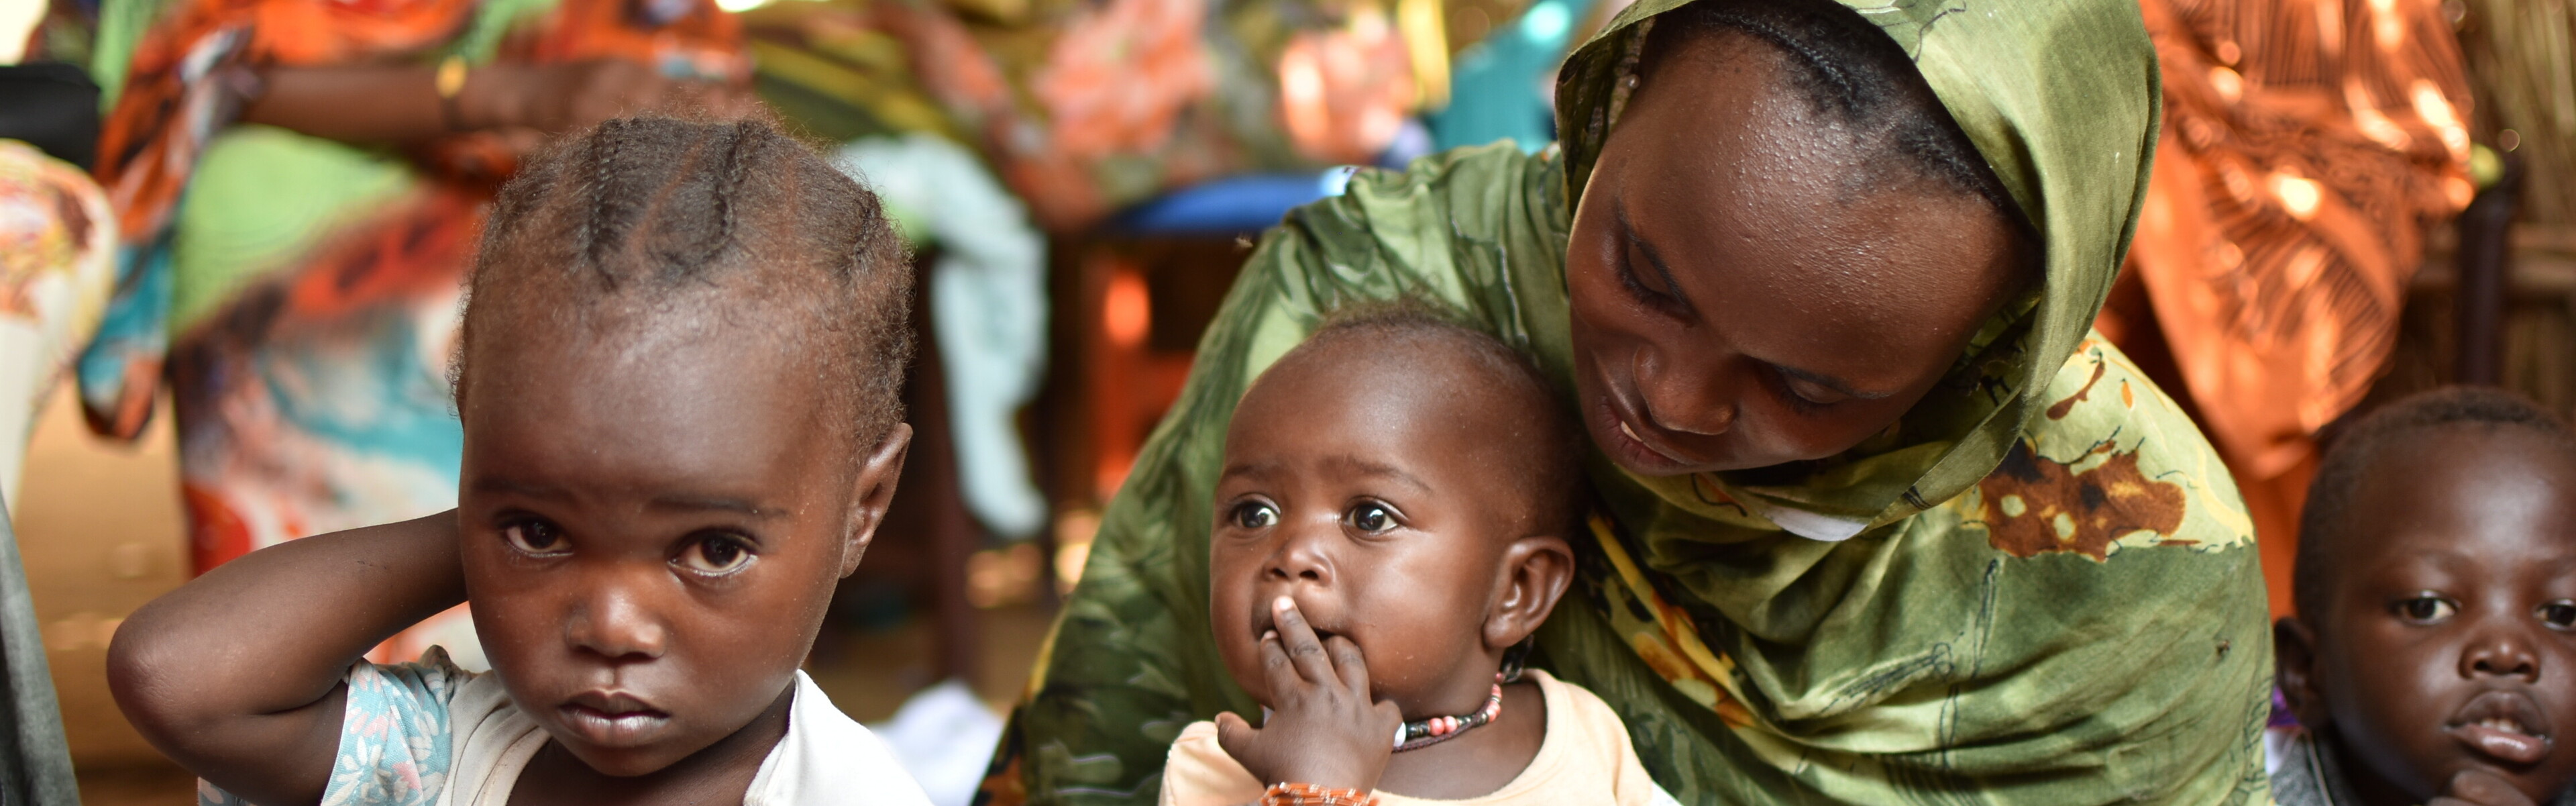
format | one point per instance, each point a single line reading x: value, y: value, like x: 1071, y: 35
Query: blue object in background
x: 1498, y: 88
x: 1235, y: 205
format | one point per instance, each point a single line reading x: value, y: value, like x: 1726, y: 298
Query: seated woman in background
x: 299, y: 184
x: 1879, y: 519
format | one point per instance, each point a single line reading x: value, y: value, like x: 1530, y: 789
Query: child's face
x: 1384, y: 503
x: 2446, y: 644
x: 652, y: 530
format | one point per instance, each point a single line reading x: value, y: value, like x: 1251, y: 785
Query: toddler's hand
x: 2479, y: 788
x: 1323, y: 729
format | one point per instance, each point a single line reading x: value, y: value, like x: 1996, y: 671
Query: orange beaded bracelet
x: 1311, y: 795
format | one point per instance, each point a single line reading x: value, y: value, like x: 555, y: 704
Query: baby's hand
x: 1323, y: 729
x: 2479, y: 788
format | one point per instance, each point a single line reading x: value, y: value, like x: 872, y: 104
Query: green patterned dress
x: 2039, y: 587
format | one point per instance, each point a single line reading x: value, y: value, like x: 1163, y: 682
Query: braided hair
x: 646, y: 216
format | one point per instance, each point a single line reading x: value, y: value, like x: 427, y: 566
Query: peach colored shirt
x: 1584, y: 759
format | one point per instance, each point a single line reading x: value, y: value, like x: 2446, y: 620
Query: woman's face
x: 1743, y: 293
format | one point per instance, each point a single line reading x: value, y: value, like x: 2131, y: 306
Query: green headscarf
x: 2039, y: 587
x: 2062, y: 101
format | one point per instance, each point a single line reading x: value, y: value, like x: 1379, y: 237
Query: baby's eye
x: 1254, y: 515
x: 2426, y: 607
x: 2560, y: 615
x: 716, y: 555
x: 533, y: 537
x: 1370, y: 517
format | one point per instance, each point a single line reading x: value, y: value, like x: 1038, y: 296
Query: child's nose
x: 615, y: 625
x: 2500, y: 654
x: 1300, y: 558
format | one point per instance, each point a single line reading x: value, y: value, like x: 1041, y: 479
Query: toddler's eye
x: 1253, y: 515
x: 2559, y: 615
x: 2426, y: 608
x: 716, y: 554
x: 1370, y: 517
x: 533, y: 537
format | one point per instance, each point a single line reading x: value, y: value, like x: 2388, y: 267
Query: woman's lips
x: 1631, y: 446
x: 611, y: 718
x: 2504, y: 725
x: 1631, y: 433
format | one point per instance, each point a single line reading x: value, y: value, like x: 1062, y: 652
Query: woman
x: 299, y: 186
x: 1879, y: 520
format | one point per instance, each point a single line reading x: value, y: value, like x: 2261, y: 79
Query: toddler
x: 678, y: 377
x: 1390, y: 527
x: 2433, y: 657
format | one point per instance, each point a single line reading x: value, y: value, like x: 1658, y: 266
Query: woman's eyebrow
x: 1838, y: 385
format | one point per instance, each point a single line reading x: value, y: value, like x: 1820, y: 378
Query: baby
x: 2433, y: 658
x: 1390, y: 527
x: 678, y: 377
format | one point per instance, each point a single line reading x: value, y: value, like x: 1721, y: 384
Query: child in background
x: 1390, y: 525
x: 678, y: 378
x: 2433, y: 657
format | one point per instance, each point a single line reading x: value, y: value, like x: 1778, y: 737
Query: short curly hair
x: 638, y: 214
x: 1416, y: 329
x: 2355, y: 453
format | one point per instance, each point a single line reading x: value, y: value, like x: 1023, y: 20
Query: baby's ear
x: 874, y: 489
x: 1536, y: 571
x: 2294, y: 660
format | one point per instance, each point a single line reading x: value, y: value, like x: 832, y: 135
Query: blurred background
x: 2356, y: 199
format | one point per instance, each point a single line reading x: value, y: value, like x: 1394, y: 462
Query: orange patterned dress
x: 2307, y: 145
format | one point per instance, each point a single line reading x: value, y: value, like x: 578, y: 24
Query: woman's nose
x: 614, y: 624
x: 2500, y: 653
x: 1690, y: 400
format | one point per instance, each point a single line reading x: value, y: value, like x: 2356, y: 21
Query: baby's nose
x: 1300, y: 561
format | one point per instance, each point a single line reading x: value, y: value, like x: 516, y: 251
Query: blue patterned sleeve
x: 395, y: 746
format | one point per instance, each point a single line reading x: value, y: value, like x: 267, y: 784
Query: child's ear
x: 2294, y: 659
x: 874, y: 490
x: 1536, y: 571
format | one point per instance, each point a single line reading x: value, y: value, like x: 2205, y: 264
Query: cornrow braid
x: 737, y: 164
x: 599, y: 232
x: 656, y: 216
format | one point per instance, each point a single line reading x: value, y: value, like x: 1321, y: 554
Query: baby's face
x: 2450, y: 638
x: 1383, y: 504
x: 651, y: 532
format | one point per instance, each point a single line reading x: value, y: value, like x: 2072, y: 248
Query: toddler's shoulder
x: 1197, y: 772
x: 397, y: 745
x: 1573, y: 705
x: 1578, y: 720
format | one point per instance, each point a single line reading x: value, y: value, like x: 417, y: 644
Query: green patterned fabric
x: 2053, y: 597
